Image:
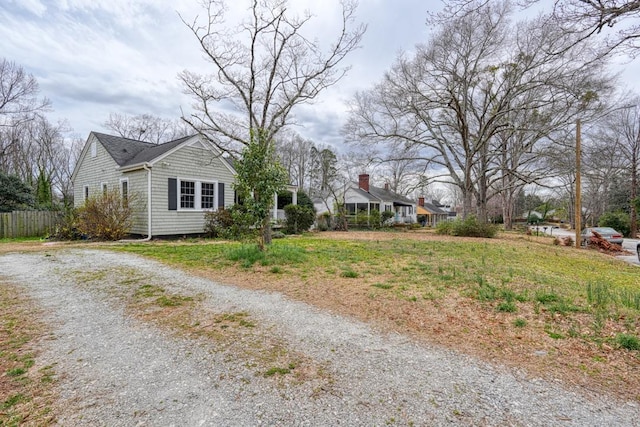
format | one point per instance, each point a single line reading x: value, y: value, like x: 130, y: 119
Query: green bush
x: 362, y: 219
x: 324, y: 221
x: 375, y: 219
x: 445, y: 227
x: 217, y: 223
x: 298, y: 218
x: 534, y: 219
x: 14, y: 194
x: 468, y: 227
x: 231, y: 224
x: 106, y: 217
x: 286, y: 198
x: 385, y: 216
x: 617, y: 220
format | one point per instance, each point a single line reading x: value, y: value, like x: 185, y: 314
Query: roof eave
x: 131, y: 168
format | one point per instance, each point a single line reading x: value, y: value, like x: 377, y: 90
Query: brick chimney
x: 421, y: 201
x: 386, y: 186
x: 363, y: 182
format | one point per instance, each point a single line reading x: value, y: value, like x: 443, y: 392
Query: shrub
x: 324, y: 221
x: 217, y: 223
x: 445, y: 227
x: 232, y: 224
x: 385, y: 216
x: 534, y: 219
x: 375, y: 219
x: 67, y: 228
x: 362, y: 219
x: 286, y: 198
x: 617, y: 220
x: 106, y: 217
x: 298, y: 218
x: 468, y: 227
x: 567, y: 241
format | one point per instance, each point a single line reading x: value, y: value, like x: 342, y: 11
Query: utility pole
x: 578, y: 207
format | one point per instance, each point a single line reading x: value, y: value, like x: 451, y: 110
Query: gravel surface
x: 116, y: 370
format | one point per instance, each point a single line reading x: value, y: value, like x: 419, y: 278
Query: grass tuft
x: 351, y: 274
x: 12, y: 401
x: 507, y: 307
x: 629, y: 342
x: 520, y: 322
x: 280, y: 371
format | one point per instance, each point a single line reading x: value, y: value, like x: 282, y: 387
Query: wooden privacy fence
x: 28, y: 223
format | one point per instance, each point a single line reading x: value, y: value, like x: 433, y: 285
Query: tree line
x: 485, y: 109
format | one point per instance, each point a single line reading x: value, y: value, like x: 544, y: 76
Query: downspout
x: 149, y: 210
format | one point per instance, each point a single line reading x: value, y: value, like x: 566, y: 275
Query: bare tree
x: 460, y: 96
x: 324, y: 172
x: 617, y: 20
x: 296, y: 155
x: 618, y: 140
x: 39, y: 153
x: 587, y: 18
x: 262, y: 70
x: 146, y: 127
x: 18, y: 95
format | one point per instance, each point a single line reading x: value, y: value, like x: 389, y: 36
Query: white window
x: 94, y: 149
x: 124, y: 191
x: 86, y: 192
x: 187, y: 194
x: 197, y: 195
x: 104, y: 188
x: 207, y: 195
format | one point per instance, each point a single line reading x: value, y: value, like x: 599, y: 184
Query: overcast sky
x: 95, y: 57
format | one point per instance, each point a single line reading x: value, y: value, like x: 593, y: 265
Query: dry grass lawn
x: 572, y: 346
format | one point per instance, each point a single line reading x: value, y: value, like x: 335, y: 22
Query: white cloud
x: 93, y: 57
x: 33, y: 6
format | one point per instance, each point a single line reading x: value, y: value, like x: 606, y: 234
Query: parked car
x: 638, y: 251
x: 607, y: 233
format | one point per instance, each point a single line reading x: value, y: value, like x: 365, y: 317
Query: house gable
x: 95, y: 170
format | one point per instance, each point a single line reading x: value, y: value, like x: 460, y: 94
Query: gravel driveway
x: 117, y: 370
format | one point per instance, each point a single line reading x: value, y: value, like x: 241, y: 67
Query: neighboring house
x: 174, y: 183
x: 366, y: 198
x: 532, y: 214
x: 432, y: 212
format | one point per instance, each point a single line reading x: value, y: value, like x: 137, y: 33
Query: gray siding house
x: 174, y: 183
x: 364, y: 197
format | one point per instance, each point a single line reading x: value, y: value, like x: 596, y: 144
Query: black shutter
x: 173, y: 194
x: 221, y: 195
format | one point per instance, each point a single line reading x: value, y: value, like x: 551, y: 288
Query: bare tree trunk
x: 265, y: 238
x: 508, y: 209
x: 634, y: 184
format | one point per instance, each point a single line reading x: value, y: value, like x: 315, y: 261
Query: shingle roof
x: 128, y: 152
x: 385, y: 195
x: 151, y: 153
x: 434, y: 209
